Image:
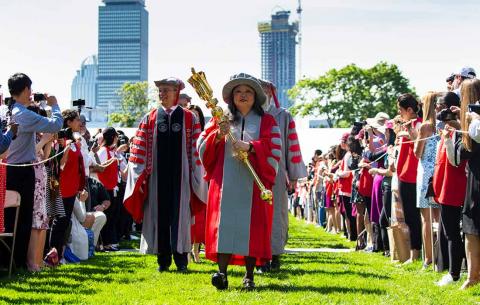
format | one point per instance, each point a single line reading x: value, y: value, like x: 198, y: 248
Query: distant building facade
x: 122, y: 49
x: 84, y: 85
x: 278, y: 53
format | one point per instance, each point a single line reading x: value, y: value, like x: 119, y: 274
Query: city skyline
x: 419, y: 36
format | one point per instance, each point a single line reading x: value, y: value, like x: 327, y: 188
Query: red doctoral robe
x: 238, y: 221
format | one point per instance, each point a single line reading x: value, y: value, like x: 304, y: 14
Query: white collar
x: 171, y: 108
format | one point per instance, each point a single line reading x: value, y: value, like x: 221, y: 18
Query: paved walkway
x: 288, y: 250
x: 317, y: 250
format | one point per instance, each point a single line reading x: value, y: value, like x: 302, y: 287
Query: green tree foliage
x: 351, y: 93
x: 135, y: 100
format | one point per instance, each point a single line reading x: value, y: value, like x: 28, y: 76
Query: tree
x: 135, y: 101
x: 351, y: 93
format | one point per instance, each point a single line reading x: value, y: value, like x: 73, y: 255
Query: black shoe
x: 248, y: 284
x: 219, y: 280
x: 110, y: 248
x: 265, y: 268
x: 182, y: 269
x: 163, y: 268
x: 275, y: 264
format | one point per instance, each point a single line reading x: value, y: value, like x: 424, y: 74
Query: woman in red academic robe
x: 239, y: 222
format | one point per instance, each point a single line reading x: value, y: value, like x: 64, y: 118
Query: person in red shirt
x: 345, y: 180
x: 114, y: 164
x: 72, y: 178
x: 407, y: 170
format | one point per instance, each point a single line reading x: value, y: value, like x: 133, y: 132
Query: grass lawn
x: 306, y: 278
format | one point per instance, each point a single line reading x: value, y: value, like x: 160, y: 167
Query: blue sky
x: 428, y: 40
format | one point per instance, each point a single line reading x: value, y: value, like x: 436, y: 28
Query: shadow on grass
x: 333, y: 259
x: 315, y: 242
x: 67, y: 280
x: 21, y: 300
x: 286, y: 273
x: 321, y: 289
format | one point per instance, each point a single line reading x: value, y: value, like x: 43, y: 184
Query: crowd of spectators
x: 418, y: 171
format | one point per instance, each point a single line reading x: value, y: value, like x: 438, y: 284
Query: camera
x: 122, y: 139
x: 66, y: 133
x: 78, y: 103
x: 38, y: 97
x: 451, y: 78
x: 8, y: 101
x: 474, y: 108
x: 446, y: 115
x: 357, y: 126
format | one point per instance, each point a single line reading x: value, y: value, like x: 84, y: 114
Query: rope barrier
x: 34, y: 164
x: 108, y: 163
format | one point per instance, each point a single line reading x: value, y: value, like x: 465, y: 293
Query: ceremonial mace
x: 200, y: 84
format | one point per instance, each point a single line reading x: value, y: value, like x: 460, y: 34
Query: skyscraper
x: 122, y: 49
x: 278, y: 43
x: 84, y: 85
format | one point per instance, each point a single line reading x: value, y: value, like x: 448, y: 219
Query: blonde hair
x: 470, y: 94
x: 428, y: 107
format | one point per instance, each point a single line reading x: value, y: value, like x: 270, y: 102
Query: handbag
x: 361, y: 241
x: 399, y: 240
x: 430, y: 191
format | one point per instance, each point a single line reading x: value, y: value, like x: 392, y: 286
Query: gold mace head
x: 199, y: 82
x: 266, y: 195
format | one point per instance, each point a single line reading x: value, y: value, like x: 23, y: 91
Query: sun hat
x: 467, y: 72
x: 243, y: 79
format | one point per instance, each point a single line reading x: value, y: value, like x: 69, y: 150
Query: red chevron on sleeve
x: 296, y: 159
x: 294, y: 148
x: 291, y: 125
x: 293, y: 136
x: 137, y: 160
x: 139, y: 142
x: 137, y: 151
x: 141, y: 134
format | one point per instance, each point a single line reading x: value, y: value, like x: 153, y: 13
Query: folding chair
x: 12, y: 200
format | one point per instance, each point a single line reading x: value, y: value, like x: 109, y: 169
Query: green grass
x: 306, y: 278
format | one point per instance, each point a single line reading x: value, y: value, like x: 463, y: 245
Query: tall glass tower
x: 122, y: 49
x: 278, y: 43
x: 84, y: 85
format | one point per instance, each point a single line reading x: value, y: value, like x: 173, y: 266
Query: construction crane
x: 299, y: 13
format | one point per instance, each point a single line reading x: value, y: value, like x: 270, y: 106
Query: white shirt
x: 87, y: 159
x: 171, y: 108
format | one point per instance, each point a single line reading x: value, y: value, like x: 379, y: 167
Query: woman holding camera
x: 469, y: 149
x: 72, y: 177
x: 107, y: 155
